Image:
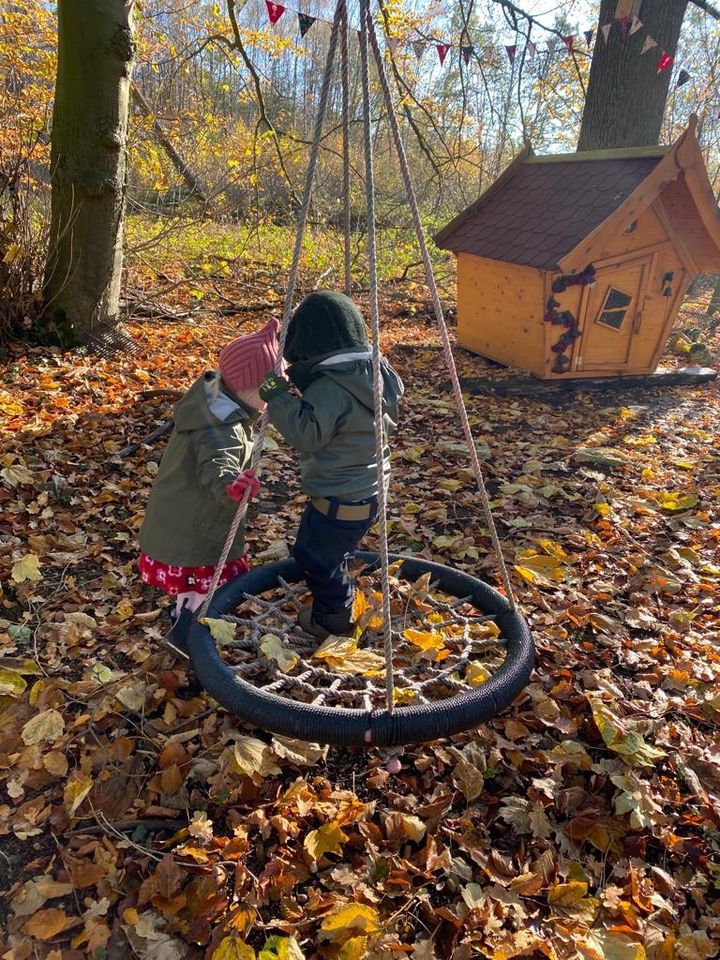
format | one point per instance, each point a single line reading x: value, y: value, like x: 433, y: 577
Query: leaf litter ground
x: 139, y: 820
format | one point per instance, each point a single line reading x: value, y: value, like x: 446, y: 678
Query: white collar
x: 345, y: 358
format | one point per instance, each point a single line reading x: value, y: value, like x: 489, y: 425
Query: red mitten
x: 245, y: 486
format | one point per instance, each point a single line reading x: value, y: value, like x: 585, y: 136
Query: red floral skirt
x: 174, y: 580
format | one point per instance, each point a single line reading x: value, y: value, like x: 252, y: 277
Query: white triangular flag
x: 392, y: 44
x: 650, y: 42
x: 605, y: 31
x: 635, y: 25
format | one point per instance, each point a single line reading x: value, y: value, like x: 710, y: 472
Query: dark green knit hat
x: 325, y: 322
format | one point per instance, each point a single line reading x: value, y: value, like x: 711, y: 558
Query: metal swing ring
x: 355, y: 727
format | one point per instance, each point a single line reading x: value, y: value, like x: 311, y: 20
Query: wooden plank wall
x: 500, y: 311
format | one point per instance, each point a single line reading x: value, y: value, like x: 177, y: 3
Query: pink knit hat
x: 245, y: 362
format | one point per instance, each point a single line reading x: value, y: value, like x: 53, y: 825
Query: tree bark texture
x: 626, y: 96
x: 96, y: 49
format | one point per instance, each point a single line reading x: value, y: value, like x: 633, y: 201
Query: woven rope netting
x: 442, y: 646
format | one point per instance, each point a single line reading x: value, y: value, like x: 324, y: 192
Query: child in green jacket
x: 332, y: 427
x: 203, y: 475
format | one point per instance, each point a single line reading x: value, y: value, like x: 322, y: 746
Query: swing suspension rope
x: 368, y: 41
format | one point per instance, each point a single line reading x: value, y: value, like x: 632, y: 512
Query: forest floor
x: 139, y: 820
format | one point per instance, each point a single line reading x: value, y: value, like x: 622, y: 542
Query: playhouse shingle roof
x: 543, y: 207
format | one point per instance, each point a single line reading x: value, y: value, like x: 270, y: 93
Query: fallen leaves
x: 343, y: 656
x: 26, y: 568
x: 208, y: 836
x: 45, y: 727
x: 326, y: 839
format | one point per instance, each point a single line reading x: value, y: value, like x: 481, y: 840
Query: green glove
x: 273, y: 386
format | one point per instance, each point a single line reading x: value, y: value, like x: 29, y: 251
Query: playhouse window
x: 614, y: 309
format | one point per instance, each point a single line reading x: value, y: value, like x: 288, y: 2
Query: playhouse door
x: 611, y: 308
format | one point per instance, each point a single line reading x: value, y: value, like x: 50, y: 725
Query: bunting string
x: 626, y: 18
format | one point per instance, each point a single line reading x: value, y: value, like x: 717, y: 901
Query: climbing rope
x: 376, y: 365
x: 368, y: 38
x: 287, y: 309
x: 437, y: 306
x: 345, y: 82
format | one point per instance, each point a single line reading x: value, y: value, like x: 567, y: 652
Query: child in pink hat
x: 203, y: 475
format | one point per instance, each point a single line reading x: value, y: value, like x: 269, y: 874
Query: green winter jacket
x: 189, y: 513
x: 332, y: 426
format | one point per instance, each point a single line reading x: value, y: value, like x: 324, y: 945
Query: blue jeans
x: 323, y: 547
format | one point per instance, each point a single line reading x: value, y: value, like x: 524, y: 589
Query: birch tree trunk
x: 96, y: 49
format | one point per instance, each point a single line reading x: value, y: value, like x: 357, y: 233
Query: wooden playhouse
x: 576, y: 265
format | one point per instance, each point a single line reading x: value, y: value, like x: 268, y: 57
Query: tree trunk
x: 626, y: 96
x: 88, y: 161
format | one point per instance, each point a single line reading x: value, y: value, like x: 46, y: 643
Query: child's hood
x: 206, y: 404
x: 356, y: 377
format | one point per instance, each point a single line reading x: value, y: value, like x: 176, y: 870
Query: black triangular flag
x: 305, y: 22
x: 683, y: 77
x: 467, y: 52
x: 588, y: 36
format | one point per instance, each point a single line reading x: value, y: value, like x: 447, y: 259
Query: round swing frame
x: 342, y: 726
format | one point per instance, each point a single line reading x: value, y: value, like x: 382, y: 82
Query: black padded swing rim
x: 339, y: 725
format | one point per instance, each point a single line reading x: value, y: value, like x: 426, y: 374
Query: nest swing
x: 274, y: 676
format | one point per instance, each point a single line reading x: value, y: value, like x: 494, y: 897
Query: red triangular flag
x: 442, y: 49
x: 665, y: 61
x: 275, y: 11
x: 569, y: 41
x: 511, y: 51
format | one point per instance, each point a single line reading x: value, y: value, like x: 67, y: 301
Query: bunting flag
x: 305, y: 21
x: 626, y: 15
x: 650, y: 42
x: 626, y: 9
x: 665, y: 61
x: 275, y: 11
